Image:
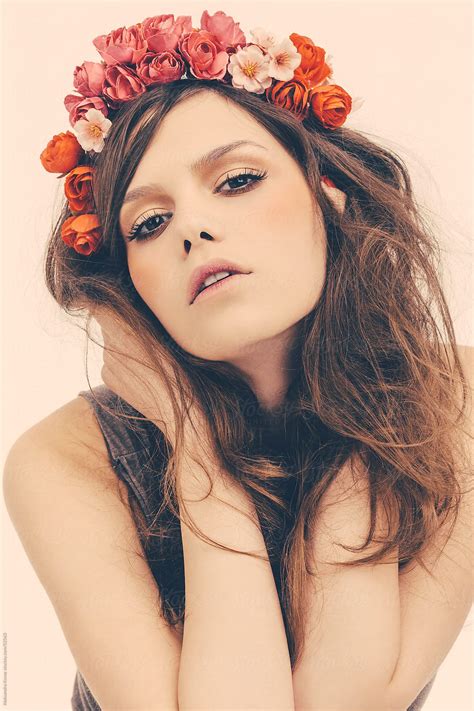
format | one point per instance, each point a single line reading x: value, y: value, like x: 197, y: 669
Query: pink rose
x: 160, y: 68
x: 207, y: 59
x: 163, y: 32
x: 78, y: 106
x: 225, y: 30
x: 121, y: 83
x: 88, y: 78
x: 125, y: 45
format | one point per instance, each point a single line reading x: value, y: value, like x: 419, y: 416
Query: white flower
x: 263, y: 38
x: 357, y: 103
x: 328, y: 59
x: 249, y: 69
x: 284, y: 58
x: 92, y: 129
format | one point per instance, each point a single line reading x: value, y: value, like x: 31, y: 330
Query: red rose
x: 121, y: 46
x: 82, y: 233
x: 78, y: 189
x: 62, y: 153
x: 224, y: 29
x: 160, y: 68
x: 163, y: 32
x: 292, y: 95
x: 207, y: 59
x: 330, y: 104
x: 313, y: 69
x: 88, y: 78
x: 122, y: 83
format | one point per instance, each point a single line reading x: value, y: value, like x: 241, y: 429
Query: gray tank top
x: 131, y: 447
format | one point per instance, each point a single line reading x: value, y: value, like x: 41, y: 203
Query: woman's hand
x: 126, y: 372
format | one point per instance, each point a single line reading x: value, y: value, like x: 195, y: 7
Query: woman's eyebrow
x: 198, y: 166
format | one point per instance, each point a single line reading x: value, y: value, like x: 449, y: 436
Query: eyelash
x: 256, y: 175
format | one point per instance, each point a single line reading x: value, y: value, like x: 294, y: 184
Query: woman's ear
x: 337, y: 197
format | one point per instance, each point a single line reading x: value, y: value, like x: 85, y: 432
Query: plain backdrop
x: 409, y: 61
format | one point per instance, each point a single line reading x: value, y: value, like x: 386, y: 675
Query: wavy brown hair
x: 379, y: 378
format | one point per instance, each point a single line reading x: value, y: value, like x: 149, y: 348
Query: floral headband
x: 292, y: 73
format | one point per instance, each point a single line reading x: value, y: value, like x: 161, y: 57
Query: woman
x: 311, y: 390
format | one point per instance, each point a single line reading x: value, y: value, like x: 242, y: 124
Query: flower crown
x: 292, y: 73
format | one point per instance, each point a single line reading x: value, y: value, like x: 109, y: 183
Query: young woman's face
x: 266, y: 226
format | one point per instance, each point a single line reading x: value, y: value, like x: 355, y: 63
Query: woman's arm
x: 383, y: 634
x: 375, y: 639
x: 234, y: 653
x: 447, y: 597
x: 69, y: 509
x: 353, y: 629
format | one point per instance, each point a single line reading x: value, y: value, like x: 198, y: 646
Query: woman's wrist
x: 199, y: 471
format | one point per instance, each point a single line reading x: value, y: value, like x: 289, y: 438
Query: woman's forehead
x: 205, y: 120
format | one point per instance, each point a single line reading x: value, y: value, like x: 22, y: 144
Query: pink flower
x: 249, y: 69
x: 122, y: 83
x: 160, y: 68
x: 264, y: 39
x: 121, y: 46
x: 207, y: 60
x: 78, y: 106
x: 92, y: 129
x: 225, y: 30
x: 88, y: 78
x: 163, y: 32
x: 284, y: 58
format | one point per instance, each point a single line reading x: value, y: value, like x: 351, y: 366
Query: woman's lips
x: 220, y: 286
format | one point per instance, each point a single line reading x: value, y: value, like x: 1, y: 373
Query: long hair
x: 379, y: 377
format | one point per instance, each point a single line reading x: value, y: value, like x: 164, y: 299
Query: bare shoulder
x: 64, y: 500
x: 69, y: 433
x: 70, y: 427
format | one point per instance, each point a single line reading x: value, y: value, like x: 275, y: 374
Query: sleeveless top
x: 131, y: 447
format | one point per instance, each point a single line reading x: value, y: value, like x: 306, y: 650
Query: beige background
x: 411, y: 62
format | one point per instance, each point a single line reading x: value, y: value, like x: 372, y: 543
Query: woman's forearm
x: 234, y: 653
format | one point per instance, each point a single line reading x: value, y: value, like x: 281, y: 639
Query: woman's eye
x: 148, y: 220
x: 255, y: 175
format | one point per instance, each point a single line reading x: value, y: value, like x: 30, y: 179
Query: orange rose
x: 82, y: 233
x: 292, y: 95
x: 78, y: 189
x: 313, y: 70
x: 62, y: 153
x: 330, y: 104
